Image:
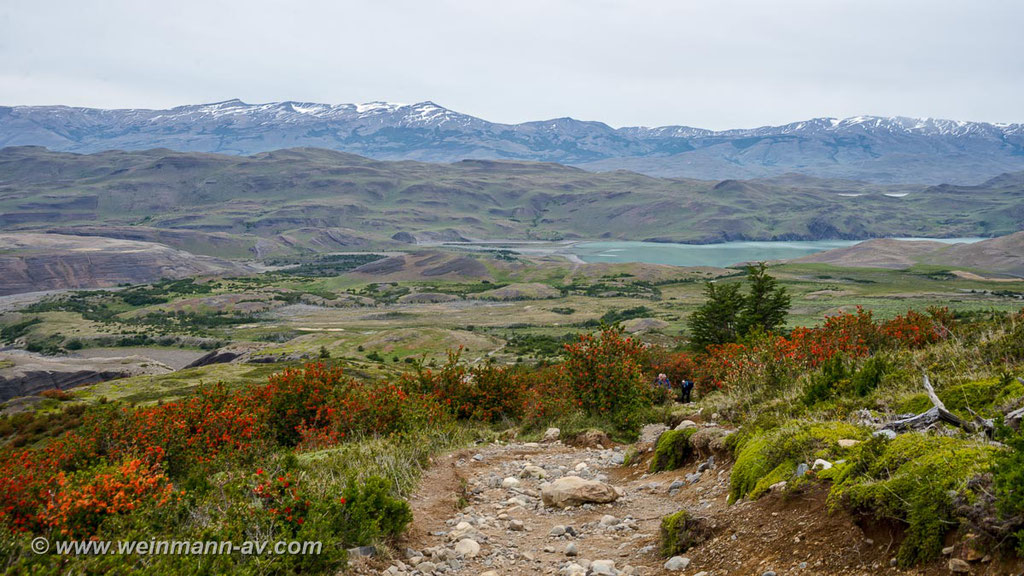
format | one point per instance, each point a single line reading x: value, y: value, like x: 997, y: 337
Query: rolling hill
x: 313, y: 200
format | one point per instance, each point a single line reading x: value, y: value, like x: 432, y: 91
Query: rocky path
x: 493, y: 512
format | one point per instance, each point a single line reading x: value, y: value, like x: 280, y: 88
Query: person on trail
x: 663, y: 382
x: 684, y: 392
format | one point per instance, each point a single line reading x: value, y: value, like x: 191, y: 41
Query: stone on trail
x: 574, y: 491
x: 426, y: 567
x: 603, y: 568
x: 489, y: 573
x: 958, y: 565
x: 677, y: 563
x: 557, y: 531
x: 464, y: 530
x: 516, y: 526
x: 571, y: 549
x: 532, y: 471
x: 467, y: 548
x: 573, y: 570
x: 551, y: 434
x: 609, y: 520
x: 510, y: 482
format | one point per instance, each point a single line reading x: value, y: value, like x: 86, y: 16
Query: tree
x: 715, y: 322
x: 766, y: 306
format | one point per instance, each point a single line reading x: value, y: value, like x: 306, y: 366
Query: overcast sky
x: 709, y: 63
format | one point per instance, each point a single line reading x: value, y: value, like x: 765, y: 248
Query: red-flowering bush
x: 81, y: 501
x: 298, y: 400
x: 280, y: 497
x: 487, y: 392
x: 605, y: 375
x: 193, y: 431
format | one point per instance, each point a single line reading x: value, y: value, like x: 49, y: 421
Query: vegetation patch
x: 765, y: 458
x: 672, y: 450
x: 910, y: 479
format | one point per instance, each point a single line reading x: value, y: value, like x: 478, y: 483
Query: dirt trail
x: 501, y: 510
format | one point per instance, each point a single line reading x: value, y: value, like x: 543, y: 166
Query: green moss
x: 672, y: 450
x: 915, y: 403
x: 768, y: 457
x: 910, y: 479
x: 984, y: 397
x: 679, y: 532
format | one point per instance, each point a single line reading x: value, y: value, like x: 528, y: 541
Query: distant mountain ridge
x: 878, y: 149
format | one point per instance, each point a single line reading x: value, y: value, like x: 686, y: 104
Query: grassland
x: 380, y: 327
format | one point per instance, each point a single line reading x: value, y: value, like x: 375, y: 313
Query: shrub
x: 606, y: 377
x: 369, y: 512
x: 1008, y: 479
x: 672, y: 450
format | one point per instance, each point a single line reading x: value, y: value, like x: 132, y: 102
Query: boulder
x: 574, y: 491
x: 677, y: 563
x: 551, y: 434
x: 603, y: 568
x: 686, y: 424
x: 467, y: 548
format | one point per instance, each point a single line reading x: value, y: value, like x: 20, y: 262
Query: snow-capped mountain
x: 888, y: 149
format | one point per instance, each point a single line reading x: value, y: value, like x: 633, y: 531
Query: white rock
x: 532, y: 471
x: 677, y: 563
x: 847, y: 442
x: 573, y: 491
x: 609, y: 520
x: 551, y: 434
x: 510, y: 482
x: 603, y: 568
x: 571, y: 549
x: 686, y: 424
x: 516, y: 526
x: 557, y: 530
x: 573, y: 569
x: 821, y: 464
x: 467, y: 548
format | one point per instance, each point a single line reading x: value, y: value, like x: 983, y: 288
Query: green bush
x: 869, y: 376
x: 824, y: 384
x: 1008, y: 478
x: 369, y: 512
x: 910, y: 479
x: 672, y: 450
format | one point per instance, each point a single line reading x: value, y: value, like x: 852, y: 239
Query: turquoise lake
x: 719, y: 255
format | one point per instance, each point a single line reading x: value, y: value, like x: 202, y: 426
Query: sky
x: 710, y: 63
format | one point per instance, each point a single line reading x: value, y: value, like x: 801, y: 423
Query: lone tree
x: 766, y: 306
x: 728, y: 315
x: 715, y: 322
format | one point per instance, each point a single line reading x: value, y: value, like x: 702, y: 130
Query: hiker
x: 663, y: 382
x: 685, y: 390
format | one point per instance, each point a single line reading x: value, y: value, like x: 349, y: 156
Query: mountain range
x: 870, y: 148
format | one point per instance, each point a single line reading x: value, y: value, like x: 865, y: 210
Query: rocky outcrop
x: 33, y: 262
x: 29, y: 374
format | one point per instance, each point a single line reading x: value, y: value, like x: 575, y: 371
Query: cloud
x: 713, y: 63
